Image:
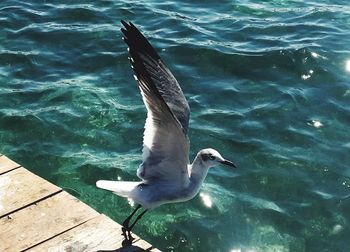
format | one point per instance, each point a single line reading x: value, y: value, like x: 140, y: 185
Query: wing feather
x: 159, y: 73
x: 165, y: 143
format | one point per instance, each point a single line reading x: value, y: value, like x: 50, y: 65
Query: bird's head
x: 210, y: 158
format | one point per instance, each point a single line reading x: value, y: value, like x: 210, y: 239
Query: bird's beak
x: 229, y: 163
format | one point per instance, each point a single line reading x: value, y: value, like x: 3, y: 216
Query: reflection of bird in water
x: 165, y: 173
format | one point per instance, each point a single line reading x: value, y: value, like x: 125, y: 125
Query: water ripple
x: 267, y: 84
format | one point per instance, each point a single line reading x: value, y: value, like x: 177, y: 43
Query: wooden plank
x: 98, y: 234
x: 7, y: 164
x: 20, y: 187
x: 36, y: 215
x: 143, y: 244
x: 39, y: 222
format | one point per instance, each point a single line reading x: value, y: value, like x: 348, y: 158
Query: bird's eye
x: 207, y: 157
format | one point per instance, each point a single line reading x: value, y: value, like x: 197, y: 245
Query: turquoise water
x: 268, y: 83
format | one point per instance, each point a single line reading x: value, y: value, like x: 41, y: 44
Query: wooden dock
x: 36, y: 215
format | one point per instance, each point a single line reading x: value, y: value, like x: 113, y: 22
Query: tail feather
x: 121, y: 188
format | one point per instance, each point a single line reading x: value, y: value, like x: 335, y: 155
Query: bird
x: 165, y: 174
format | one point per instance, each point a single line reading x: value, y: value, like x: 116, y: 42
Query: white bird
x: 165, y: 173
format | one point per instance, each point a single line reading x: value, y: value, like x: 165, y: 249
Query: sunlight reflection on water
x: 206, y: 199
x: 267, y: 86
x: 347, y: 65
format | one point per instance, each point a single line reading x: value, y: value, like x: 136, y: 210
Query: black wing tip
x: 136, y: 40
x: 126, y: 24
x: 138, y: 44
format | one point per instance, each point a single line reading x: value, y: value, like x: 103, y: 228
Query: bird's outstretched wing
x: 165, y: 144
x: 158, y: 73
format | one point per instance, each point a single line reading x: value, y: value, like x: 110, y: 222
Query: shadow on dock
x: 130, y: 248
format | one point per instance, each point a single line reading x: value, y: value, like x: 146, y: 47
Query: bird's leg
x: 126, y: 229
x: 127, y: 238
x: 137, y: 219
x: 127, y: 220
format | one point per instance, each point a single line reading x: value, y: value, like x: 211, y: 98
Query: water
x: 268, y: 86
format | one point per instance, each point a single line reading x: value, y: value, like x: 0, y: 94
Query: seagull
x: 165, y: 173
